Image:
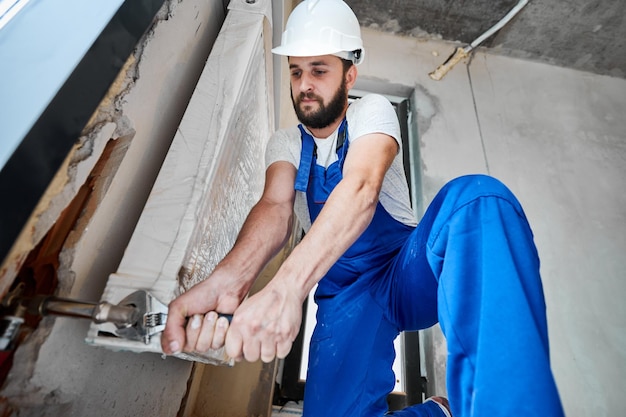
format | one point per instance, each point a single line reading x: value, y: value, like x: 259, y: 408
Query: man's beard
x: 325, y: 115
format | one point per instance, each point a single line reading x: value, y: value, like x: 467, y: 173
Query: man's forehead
x: 309, y: 61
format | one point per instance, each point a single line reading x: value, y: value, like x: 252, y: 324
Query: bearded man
x: 470, y: 264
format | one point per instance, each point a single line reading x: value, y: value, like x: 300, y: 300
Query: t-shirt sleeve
x: 373, y: 113
x: 283, y: 146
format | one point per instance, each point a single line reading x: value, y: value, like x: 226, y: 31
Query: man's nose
x: 306, y: 83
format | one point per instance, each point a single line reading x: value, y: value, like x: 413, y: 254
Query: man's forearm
x: 345, y: 216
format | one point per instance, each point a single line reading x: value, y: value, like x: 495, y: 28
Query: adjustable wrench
x: 138, y: 317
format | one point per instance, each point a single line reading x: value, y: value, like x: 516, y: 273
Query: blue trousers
x: 471, y: 265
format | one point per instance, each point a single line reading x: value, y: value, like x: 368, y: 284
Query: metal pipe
x: 67, y: 308
x: 103, y: 312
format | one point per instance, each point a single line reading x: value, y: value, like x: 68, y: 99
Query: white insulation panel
x: 211, y: 177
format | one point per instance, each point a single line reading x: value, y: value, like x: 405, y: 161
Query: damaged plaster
x: 75, y: 171
x: 59, y: 193
x: 426, y: 106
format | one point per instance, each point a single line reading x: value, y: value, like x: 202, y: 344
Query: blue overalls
x: 470, y: 264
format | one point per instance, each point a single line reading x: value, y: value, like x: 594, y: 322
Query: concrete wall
x: 55, y: 372
x: 557, y: 138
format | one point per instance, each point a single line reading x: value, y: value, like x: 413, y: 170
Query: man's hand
x: 192, y: 321
x: 265, y: 325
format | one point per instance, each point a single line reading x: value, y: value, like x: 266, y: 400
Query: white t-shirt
x: 372, y: 113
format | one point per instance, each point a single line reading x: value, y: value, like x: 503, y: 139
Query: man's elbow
x: 368, y: 193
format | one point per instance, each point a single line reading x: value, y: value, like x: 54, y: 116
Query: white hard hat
x: 322, y: 27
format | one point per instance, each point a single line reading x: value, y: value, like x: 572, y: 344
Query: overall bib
x: 471, y: 264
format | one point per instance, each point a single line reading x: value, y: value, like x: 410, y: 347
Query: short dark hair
x: 347, y: 63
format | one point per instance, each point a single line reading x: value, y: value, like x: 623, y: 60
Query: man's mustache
x: 309, y: 96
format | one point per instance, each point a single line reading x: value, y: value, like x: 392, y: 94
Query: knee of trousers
x: 466, y: 189
x: 477, y: 185
x: 466, y: 205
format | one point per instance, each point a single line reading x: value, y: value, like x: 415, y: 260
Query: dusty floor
x: 290, y: 409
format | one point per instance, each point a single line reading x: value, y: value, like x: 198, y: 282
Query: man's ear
x: 351, y: 76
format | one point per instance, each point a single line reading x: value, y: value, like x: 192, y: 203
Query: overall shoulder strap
x: 306, y: 159
x: 309, y: 150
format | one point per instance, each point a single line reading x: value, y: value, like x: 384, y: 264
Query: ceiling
x: 587, y: 35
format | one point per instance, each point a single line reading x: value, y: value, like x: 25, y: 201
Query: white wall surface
x: 557, y: 138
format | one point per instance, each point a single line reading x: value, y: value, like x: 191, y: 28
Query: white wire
x: 500, y: 24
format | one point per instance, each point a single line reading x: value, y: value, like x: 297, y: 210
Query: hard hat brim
x: 304, y: 49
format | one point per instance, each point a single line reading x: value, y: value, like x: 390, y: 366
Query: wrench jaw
x: 149, y: 320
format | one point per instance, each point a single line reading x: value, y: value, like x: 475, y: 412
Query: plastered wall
x: 557, y: 138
